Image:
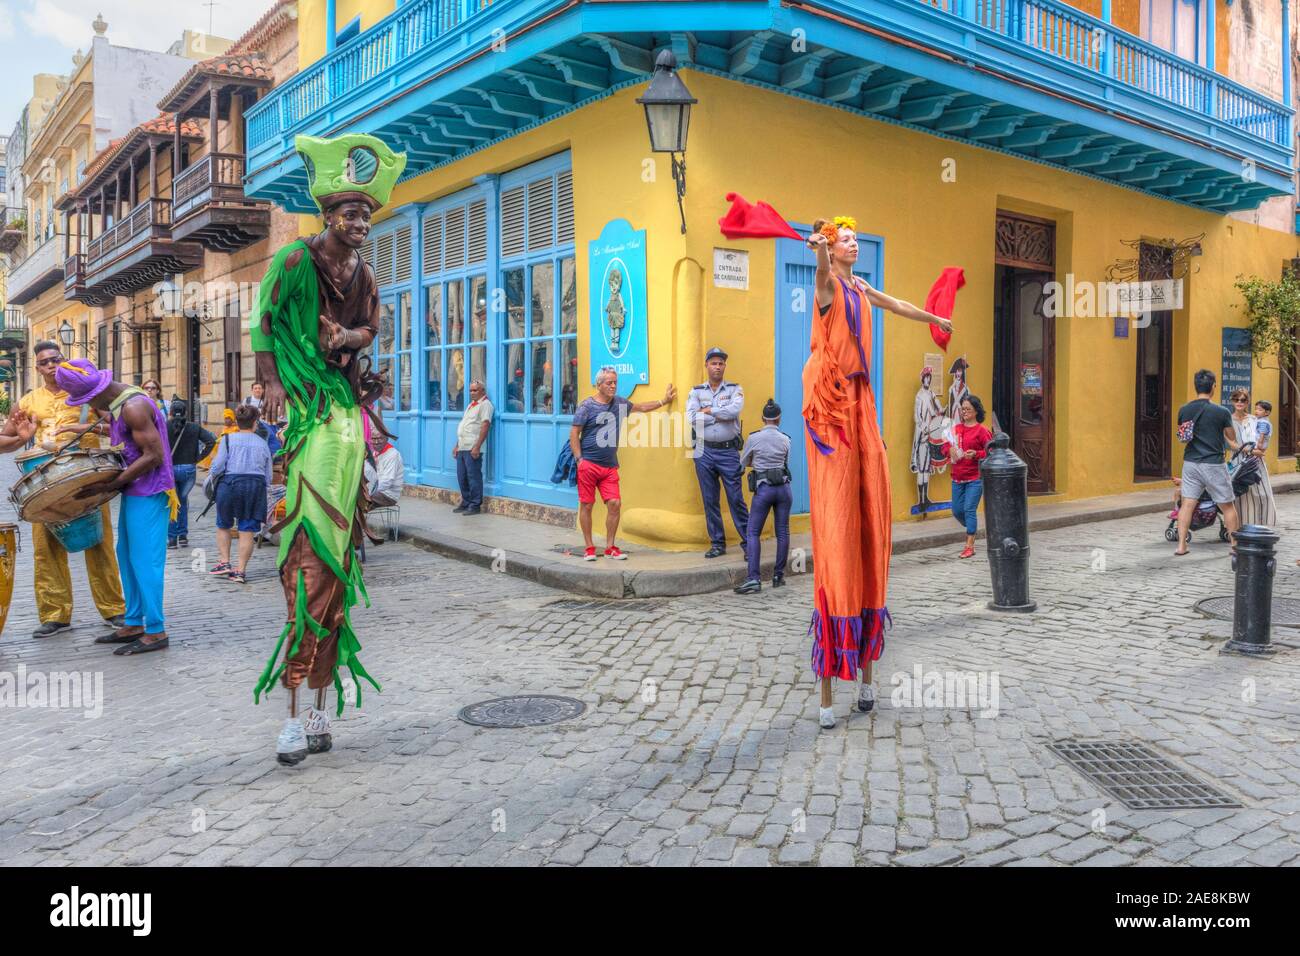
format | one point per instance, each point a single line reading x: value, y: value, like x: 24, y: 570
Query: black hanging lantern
x: 667, y: 104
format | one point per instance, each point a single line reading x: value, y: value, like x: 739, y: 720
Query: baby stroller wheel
x: 1171, y: 533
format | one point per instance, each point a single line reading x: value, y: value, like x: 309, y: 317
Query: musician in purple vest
x: 137, y: 427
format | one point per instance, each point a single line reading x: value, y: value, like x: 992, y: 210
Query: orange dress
x: 848, y: 476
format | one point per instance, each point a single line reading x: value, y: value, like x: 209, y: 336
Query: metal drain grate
x: 534, y: 710
x: 1141, y: 778
x: 569, y: 604
x: 1286, y: 611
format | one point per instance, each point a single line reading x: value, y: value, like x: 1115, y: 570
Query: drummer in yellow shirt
x: 42, y: 412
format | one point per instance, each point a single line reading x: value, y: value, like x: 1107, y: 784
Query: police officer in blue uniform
x: 767, y: 453
x: 713, y: 410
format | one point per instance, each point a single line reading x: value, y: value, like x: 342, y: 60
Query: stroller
x: 1245, y: 472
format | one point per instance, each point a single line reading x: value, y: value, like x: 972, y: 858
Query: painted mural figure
x: 848, y: 473
x: 317, y: 314
x: 615, y: 311
x: 958, y: 390
x: 927, y: 418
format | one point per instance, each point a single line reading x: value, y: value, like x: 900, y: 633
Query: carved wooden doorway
x: 1024, y: 343
x: 1153, y: 403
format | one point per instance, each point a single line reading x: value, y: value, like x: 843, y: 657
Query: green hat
x: 351, y: 167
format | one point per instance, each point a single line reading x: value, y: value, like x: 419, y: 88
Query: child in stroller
x: 1244, y: 469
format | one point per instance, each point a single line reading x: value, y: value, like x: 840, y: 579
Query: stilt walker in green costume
x: 317, y: 313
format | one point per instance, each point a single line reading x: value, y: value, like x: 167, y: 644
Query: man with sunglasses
x: 42, y: 414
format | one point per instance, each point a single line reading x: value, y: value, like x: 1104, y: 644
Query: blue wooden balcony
x: 1035, y: 78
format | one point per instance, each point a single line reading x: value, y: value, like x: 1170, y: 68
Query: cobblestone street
x: 700, y: 743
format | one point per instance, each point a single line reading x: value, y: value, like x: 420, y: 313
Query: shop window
x: 540, y: 326
x: 453, y: 254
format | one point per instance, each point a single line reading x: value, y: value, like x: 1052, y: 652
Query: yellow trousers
x: 54, y: 582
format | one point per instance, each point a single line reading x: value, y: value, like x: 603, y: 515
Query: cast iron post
x: 1252, y: 611
x: 1006, y: 512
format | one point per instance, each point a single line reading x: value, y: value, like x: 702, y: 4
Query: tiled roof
x: 164, y: 125
x: 257, y: 34
x: 250, y: 66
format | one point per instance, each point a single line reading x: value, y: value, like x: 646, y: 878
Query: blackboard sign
x: 1236, y: 363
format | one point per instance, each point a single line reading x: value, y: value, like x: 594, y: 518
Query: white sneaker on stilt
x: 319, y: 739
x: 826, y: 718
x: 291, y: 747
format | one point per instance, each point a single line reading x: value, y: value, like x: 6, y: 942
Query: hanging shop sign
x: 1236, y: 363
x: 730, y: 269
x: 617, y: 284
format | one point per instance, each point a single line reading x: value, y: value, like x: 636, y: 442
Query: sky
x: 40, y: 36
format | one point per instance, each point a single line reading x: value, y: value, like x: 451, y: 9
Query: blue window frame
x: 482, y: 284
x: 349, y: 32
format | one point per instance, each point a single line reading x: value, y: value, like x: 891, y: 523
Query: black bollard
x: 1252, y: 611
x: 1006, y: 513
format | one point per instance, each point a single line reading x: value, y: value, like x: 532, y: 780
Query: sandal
x: 237, y: 577
x: 138, y: 646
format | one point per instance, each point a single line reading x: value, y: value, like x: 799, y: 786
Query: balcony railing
x: 15, y: 321
x: 1065, y: 33
x: 217, y: 176
x: 140, y: 223
x: 10, y: 215
x: 402, y: 34
x: 36, y: 273
x: 74, y: 273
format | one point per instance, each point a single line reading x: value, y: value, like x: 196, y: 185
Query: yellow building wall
x: 810, y: 161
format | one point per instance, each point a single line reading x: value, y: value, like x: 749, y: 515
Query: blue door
x: 796, y: 267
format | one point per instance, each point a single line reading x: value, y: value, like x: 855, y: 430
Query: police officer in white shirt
x: 713, y: 410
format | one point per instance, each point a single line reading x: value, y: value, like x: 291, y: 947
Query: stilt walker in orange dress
x: 848, y: 473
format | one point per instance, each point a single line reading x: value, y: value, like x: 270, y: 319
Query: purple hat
x: 81, y: 380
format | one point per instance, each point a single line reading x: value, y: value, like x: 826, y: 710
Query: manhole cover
x: 1138, y: 776
x: 530, y: 711
x: 568, y: 604
x: 1286, y: 611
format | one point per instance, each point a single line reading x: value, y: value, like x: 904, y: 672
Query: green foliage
x: 1273, y: 309
x: 4, y: 404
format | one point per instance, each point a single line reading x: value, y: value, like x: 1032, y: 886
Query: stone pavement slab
x: 699, y: 745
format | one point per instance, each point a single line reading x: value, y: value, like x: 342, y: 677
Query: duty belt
x: 733, y: 443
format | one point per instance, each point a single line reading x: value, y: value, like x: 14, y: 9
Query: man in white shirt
x: 385, y: 478
x: 471, y: 435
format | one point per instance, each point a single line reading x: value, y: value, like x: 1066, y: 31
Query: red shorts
x: 592, y: 476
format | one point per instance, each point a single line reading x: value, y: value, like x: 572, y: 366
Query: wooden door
x: 1152, y: 405
x: 1033, y: 347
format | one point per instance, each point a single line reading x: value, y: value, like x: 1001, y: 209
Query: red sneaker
x: 968, y: 553
x: 616, y: 554
x: 590, y: 555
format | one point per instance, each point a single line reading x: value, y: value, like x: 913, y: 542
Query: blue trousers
x: 966, y: 501
x: 775, y: 498
x: 714, y: 465
x: 142, y: 558
x: 184, y: 476
x: 469, y: 473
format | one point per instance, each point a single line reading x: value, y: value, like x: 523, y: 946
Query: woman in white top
x: 1256, y: 506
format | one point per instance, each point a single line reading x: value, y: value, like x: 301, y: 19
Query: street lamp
x: 667, y: 104
x: 67, y: 335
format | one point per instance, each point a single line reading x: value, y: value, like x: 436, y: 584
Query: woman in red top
x: 967, y: 487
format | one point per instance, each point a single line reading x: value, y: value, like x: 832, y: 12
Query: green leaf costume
x: 324, y: 441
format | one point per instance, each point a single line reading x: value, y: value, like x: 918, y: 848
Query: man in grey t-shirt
x: 1205, y: 428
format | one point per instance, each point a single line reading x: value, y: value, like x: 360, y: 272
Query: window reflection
x: 543, y: 298
x: 514, y: 371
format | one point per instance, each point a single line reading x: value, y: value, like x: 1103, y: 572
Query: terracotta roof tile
x: 255, y: 35
x: 249, y: 66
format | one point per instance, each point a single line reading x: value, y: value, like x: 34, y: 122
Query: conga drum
x: 9, y: 545
x: 47, y: 494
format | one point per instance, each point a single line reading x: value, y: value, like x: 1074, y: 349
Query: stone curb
x: 619, y: 583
